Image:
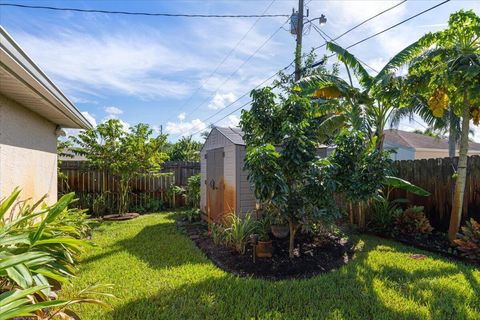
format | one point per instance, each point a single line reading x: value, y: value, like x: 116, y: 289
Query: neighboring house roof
x: 412, y: 140
x: 22, y: 81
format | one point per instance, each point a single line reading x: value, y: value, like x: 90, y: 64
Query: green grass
x: 158, y: 273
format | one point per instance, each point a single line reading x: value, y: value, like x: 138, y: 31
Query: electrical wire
x: 323, y: 33
x: 364, y: 21
x: 356, y: 43
x: 150, y: 14
x: 222, y: 62
x: 238, y: 68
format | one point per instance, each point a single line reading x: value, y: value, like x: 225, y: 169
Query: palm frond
x: 364, y: 78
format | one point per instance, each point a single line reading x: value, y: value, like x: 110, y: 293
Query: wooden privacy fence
x: 437, y: 177
x: 91, y: 185
x: 182, y: 170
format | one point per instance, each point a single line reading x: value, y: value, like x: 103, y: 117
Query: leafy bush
x: 147, y: 204
x: 217, y: 232
x: 239, y: 231
x: 263, y: 228
x: 413, y: 221
x: 191, y: 215
x: 193, y: 191
x: 38, y: 253
x: 383, y: 213
x: 469, y: 242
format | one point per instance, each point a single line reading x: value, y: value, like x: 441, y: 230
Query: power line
x: 239, y: 67
x: 364, y: 21
x: 384, y: 30
x: 223, y: 60
x: 356, y: 43
x: 336, y: 38
x: 151, y: 14
x: 322, y: 33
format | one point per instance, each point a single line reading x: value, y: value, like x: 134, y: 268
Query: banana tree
x: 368, y: 107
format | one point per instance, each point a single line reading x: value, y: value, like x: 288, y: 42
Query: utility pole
x: 298, y: 49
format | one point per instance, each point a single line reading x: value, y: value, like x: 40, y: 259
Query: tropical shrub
x: 185, y: 149
x: 413, y: 221
x: 147, y: 204
x: 193, y: 191
x: 382, y: 213
x: 469, y: 240
x: 39, y: 247
x: 191, y: 215
x: 239, y: 231
x: 125, y: 153
x: 217, y: 232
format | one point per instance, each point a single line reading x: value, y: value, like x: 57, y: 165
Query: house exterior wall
x: 438, y: 153
x: 28, y: 153
x: 400, y: 152
x: 245, y: 195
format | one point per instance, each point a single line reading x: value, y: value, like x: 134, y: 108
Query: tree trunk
x: 291, y: 243
x: 452, y: 135
x: 457, y: 207
x: 123, y: 196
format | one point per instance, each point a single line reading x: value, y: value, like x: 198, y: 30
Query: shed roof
x: 419, y: 141
x: 24, y: 82
x: 235, y: 135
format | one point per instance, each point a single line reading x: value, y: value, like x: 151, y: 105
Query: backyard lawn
x: 158, y: 273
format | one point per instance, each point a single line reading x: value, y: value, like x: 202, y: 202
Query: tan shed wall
x: 229, y: 179
x: 28, y: 152
x: 245, y: 194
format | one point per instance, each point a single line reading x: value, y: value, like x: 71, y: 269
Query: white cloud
x: 181, y: 116
x: 131, y: 64
x: 113, y: 110
x: 90, y: 118
x: 220, y: 101
x: 231, y: 121
x: 185, y: 128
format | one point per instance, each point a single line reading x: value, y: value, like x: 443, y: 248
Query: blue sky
x: 157, y: 69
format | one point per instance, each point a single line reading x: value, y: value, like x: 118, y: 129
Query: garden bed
x: 314, y: 256
x: 436, y: 242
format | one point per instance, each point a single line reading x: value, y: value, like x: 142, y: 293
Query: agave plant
x: 39, y: 247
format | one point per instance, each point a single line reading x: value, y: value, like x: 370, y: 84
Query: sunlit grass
x: 158, y: 273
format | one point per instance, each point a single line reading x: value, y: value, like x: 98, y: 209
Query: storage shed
x: 225, y: 187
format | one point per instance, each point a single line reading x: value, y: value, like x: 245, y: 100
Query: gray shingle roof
x: 235, y: 135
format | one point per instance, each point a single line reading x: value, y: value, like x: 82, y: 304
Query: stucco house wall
x: 28, y: 152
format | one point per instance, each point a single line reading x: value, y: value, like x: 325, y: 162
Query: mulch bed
x: 435, y: 242
x: 315, y: 256
x: 121, y: 217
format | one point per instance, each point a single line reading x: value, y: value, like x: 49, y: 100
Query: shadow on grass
x: 159, y: 245
x: 369, y: 287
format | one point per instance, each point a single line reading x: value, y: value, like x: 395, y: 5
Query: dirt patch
x: 315, y: 256
x: 121, y: 217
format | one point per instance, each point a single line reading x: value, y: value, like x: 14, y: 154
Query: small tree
x: 126, y: 154
x: 185, y: 149
x: 282, y: 137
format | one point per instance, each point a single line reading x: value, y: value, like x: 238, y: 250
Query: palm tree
x: 369, y: 107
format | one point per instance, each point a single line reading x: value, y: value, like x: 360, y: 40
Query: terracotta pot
x: 280, y: 231
x: 264, y: 249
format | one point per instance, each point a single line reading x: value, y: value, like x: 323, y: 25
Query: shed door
x: 215, y: 185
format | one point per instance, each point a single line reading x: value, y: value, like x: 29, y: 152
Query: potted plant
x: 279, y: 228
x: 264, y: 248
